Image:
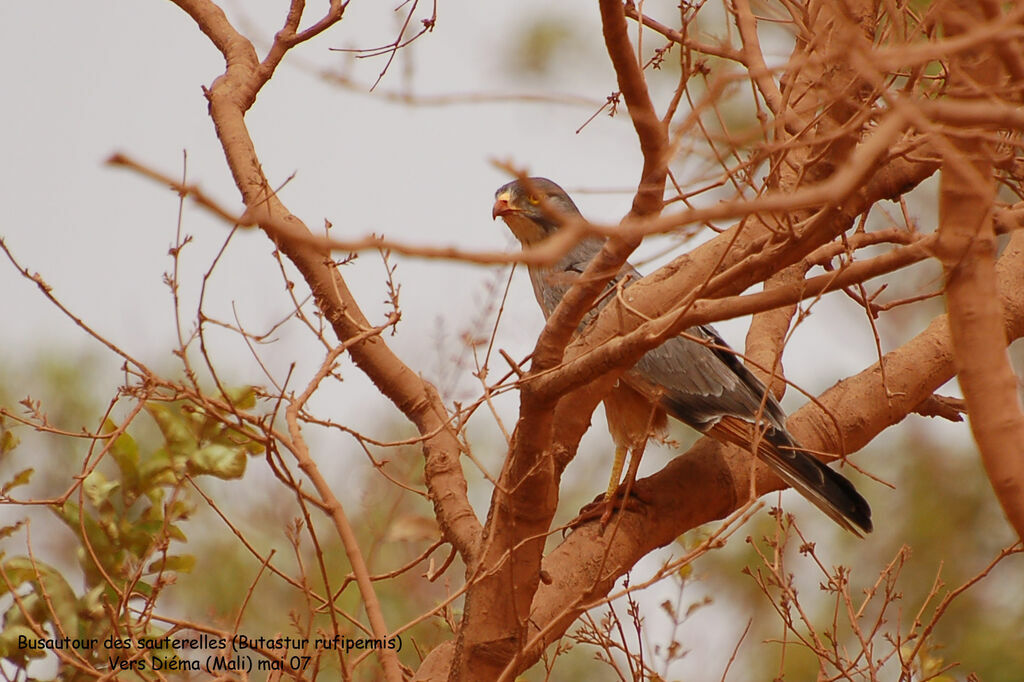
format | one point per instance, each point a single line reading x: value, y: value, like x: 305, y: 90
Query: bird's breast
x: 528, y: 232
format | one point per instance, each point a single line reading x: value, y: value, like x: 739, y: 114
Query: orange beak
x: 502, y: 207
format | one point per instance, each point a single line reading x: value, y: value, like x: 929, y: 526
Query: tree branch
x: 650, y: 130
x: 967, y: 249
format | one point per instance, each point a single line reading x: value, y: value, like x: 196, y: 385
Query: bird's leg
x: 613, y: 482
x: 632, y: 418
x: 636, y: 453
x: 604, y: 506
x: 613, y: 485
x: 617, y: 464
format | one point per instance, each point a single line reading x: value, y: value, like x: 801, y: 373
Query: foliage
x: 124, y: 524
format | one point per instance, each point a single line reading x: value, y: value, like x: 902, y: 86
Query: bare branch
x: 651, y: 131
x: 967, y: 249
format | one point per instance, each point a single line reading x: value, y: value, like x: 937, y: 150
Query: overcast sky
x: 127, y: 76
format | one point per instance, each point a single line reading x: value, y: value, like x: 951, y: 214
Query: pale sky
x: 127, y: 77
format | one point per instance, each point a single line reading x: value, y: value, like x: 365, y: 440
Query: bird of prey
x: 694, y: 378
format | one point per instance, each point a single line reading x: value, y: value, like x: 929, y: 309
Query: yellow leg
x: 634, y: 466
x: 613, y: 482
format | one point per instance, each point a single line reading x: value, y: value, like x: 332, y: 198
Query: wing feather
x: 826, y: 489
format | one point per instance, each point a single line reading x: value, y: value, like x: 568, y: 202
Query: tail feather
x: 827, y: 489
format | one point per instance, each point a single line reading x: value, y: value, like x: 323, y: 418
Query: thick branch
x: 525, y: 500
x: 415, y: 397
x: 967, y: 249
x: 768, y: 330
x: 526, y: 497
x: 986, y: 377
x: 650, y: 130
x: 753, y: 59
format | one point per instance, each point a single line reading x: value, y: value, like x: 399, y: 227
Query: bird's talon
x: 603, y: 508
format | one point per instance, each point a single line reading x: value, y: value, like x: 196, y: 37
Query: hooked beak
x: 502, y: 207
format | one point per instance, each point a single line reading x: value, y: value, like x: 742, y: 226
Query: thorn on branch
x: 513, y: 365
x: 659, y: 57
x: 613, y: 102
x: 38, y: 279
x: 942, y: 406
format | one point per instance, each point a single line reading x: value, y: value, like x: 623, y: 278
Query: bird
x: 695, y: 377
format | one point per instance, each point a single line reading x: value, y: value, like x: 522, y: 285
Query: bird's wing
x: 828, y: 490
x: 707, y: 387
x: 699, y: 382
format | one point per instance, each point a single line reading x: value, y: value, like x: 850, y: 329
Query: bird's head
x: 533, y: 208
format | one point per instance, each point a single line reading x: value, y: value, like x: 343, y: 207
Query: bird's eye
x: 533, y: 200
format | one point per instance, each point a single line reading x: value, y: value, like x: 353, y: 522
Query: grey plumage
x: 700, y: 383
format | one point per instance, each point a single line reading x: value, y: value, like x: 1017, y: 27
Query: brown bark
x: 810, y: 91
x: 651, y: 132
x: 967, y: 250
x: 710, y: 480
x: 498, y: 600
x: 768, y: 330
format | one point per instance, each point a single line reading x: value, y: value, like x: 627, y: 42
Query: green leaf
x: 97, y: 488
x: 248, y: 438
x: 179, y: 509
x: 9, y: 643
x: 156, y: 499
x: 153, y: 641
x: 156, y: 470
x: 143, y: 588
x: 51, y: 588
x: 182, y: 563
x: 176, y: 429
x: 20, y: 478
x: 125, y: 452
x: 7, y: 531
x: 92, y: 605
x: 8, y: 441
x: 29, y: 607
x: 242, y: 397
x: 218, y: 460
x: 97, y: 535
x: 176, y: 533
x: 254, y: 447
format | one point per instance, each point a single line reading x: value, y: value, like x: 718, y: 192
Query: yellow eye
x: 533, y: 200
